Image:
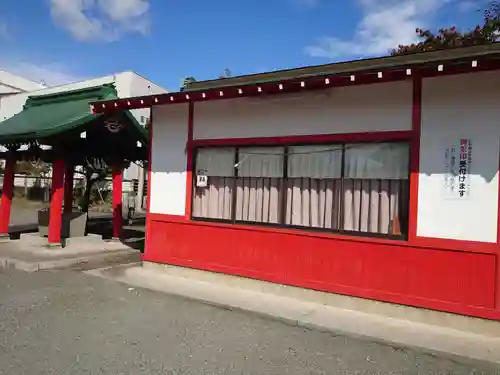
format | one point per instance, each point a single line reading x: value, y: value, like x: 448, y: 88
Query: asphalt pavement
x: 68, y: 322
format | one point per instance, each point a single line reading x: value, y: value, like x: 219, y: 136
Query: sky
x: 60, y: 41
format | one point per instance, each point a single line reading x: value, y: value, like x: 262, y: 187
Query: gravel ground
x: 67, y: 322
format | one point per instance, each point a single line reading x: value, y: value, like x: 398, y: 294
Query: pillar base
x: 4, y: 237
x: 54, y: 246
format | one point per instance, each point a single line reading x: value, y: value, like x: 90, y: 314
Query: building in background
x: 12, y: 84
x: 376, y: 178
x: 128, y: 84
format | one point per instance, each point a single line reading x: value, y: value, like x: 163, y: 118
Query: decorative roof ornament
x: 113, y: 125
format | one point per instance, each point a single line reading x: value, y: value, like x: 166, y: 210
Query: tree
x: 226, y: 74
x: 36, y: 168
x: 186, y: 81
x: 93, y: 173
x: 451, y: 37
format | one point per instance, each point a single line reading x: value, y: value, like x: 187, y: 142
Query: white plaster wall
x: 6, y: 90
x: 132, y: 84
x: 17, y: 83
x: 169, y: 159
x: 352, y: 109
x: 454, y: 107
x: 139, y: 86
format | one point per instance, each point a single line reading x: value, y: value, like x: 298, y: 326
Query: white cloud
x: 52, y: 74
x: 385, y: 25
x: 101, y: 20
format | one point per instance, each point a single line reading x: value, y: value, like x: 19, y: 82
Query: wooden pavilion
x: 60, y: 129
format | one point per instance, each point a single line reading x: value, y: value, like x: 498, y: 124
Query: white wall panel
x: 352, y: 109
x: 455, y: 107
x: 168, y: 169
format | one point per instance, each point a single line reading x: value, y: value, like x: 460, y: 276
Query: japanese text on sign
x: 457, y: 167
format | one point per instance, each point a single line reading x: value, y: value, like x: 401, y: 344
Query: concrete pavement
x: 430, y: 331
x: 65, y: 322
x: 29, y: 253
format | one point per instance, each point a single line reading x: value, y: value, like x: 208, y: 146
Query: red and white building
x: 376, y: 178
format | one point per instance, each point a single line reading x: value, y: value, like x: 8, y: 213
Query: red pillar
x: 56, y: 201
x: 68, y: 188
x: 117, y: 202
x: 7, y: 194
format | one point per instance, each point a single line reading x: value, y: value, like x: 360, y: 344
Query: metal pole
x: 140, y: 189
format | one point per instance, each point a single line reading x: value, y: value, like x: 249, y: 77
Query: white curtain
x: 372, y: 197
x: 375, y: 205
x: 313, y: 186
x: 313, y: 202
x: 377, y: 160
x: 261, y: 162
x: 215, y: 162
x: 315, y: 161
x: 258, y: 199
x: 214, y: 201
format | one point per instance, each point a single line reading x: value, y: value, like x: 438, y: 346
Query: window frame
x: 282, y: 213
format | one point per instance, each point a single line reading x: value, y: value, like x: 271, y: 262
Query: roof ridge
x: 104, y: 91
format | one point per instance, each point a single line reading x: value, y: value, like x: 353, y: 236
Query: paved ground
x: 66, y: 322
x: 24, y: 219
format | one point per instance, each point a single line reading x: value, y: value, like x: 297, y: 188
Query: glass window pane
x: 377, y: 160
x: 216, y: 162
x: 315, y: 161
x: 261, y: 162
x: 258, y: 199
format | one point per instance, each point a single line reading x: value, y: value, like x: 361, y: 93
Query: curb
x: 85, y: 262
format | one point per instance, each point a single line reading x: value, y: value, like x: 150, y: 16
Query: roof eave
x: 353, y: 66
x: 390, y: 68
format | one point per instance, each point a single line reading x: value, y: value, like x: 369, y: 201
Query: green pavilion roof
x: 46, y: 116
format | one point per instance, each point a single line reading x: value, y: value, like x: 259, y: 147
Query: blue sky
x: 165, y: 40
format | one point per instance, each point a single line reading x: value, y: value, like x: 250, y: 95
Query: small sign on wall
x: 457, y: 169
x: 201, y: 180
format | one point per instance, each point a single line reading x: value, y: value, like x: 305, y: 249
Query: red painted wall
x: 393, y: 271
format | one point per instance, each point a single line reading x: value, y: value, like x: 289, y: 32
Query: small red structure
x: 7, y: 195
x: 117, y: 202
x: 375, y: 178
x: 56, y: 202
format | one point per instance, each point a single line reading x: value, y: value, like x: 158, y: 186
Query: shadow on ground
x: 133, y: 236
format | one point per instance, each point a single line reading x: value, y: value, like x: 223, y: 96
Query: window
x: 354, y: 188
x: 215, y: 201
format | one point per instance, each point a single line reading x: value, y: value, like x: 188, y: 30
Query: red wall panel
x: 457, y: 281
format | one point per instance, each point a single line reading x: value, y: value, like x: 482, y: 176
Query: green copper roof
x: 49, y: 115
